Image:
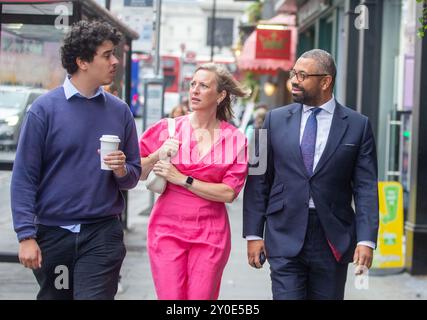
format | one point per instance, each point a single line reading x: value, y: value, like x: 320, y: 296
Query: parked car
x: 14, y: 103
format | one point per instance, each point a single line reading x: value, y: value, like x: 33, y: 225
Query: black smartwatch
x: 189, y: 182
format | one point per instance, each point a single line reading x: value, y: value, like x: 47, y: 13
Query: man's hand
x: 29, y: 254
x: 255, y: 247
x: 116, y: 161
x: 362, y: 258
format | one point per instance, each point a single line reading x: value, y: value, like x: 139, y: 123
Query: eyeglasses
x: 301, y: 75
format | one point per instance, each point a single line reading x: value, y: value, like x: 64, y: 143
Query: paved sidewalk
x: 240, y: 281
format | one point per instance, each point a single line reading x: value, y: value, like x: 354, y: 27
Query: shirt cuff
x: 28, y: 234
x: 251, y: 237
x: 369, y: 244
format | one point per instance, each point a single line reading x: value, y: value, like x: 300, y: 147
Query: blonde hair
x: 225, y: 81
x: 179, y: 108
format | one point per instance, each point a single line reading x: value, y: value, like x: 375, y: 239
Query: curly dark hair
x: 83, y: 40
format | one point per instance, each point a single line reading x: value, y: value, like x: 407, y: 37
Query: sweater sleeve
x: 131, y: 150
x: 26, y: 174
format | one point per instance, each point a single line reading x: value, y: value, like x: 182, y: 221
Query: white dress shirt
x: 324, y: 121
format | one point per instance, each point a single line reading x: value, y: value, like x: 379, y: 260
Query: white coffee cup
x: 109, y: 143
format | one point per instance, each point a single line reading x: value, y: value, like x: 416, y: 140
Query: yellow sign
x: 389, y: 252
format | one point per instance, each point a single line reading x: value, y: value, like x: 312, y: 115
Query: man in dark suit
x: 320, y: 156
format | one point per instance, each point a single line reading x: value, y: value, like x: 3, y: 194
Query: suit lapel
x: 338, y: 128
x: 293, y: 118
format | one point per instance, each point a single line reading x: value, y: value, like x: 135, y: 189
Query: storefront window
x: 30, y: 63
x: 30, y: 56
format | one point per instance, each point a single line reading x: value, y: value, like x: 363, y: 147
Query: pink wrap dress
x: 188, y: 237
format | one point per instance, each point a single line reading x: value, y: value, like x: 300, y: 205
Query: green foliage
x: 254, y: 12
x: 422, y: 20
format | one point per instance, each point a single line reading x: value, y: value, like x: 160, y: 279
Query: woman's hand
x: 168, y: 149
x: 169, y: 172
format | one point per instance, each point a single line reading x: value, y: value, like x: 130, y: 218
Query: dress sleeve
x: 153, y: 138
x: 237, y: 172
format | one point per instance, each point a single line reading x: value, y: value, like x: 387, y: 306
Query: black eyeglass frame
x: 305, y: 75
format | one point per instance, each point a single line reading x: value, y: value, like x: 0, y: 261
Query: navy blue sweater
x: 57, y: 178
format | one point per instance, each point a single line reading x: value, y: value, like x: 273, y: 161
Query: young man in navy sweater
x: 65, y: 208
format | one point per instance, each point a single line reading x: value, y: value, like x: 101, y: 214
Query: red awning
x: 248, y: 58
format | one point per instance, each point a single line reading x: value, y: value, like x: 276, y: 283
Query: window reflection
x: 30, y: 56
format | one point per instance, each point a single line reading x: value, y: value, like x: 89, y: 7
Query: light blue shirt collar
x: 70, y: 90
x: 328, y: 106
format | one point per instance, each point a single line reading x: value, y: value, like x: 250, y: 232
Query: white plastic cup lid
x: 109, y: 138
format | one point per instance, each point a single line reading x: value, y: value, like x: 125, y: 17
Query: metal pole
x: 213, y: 30
x: 11, y: 257
x: 181, y: 73
x: 108, y: 4
x: 1, y: 13
x: 158, y: 11
x: 127, y: 99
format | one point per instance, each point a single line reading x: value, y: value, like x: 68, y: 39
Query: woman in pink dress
x: 188, y: 236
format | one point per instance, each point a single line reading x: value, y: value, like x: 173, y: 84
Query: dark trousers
x: 83, y: 265
x: 313, y: 274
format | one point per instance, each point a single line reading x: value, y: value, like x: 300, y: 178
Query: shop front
x: 269, y: 53
x: 321, y: 24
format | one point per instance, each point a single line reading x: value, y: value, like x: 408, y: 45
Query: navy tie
x: 308, y: 141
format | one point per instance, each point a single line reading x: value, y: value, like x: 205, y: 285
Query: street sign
x: 273, y: 43
x: 389, y: 253
x: 153, y: 101
x: 140, y: 19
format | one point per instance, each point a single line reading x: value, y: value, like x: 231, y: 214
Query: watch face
x: 189, y: 180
